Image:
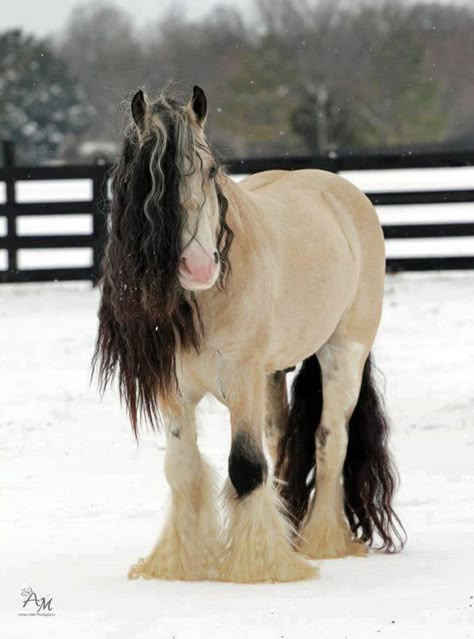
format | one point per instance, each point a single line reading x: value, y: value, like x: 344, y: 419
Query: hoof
x: 330, y: 542
x: 138, y: 570
x: 156, y: 567
x: 292, y: 567
x: 168, y: 561
x: 258, y: 541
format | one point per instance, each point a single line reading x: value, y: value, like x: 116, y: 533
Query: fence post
x: 99, y: 197
x: 336, y: 162
x: 9, y: 164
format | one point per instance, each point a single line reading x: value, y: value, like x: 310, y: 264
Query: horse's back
x: 299, y: 207
x: 311, y: 199
x: 262, y: 179
x: 274, y: 184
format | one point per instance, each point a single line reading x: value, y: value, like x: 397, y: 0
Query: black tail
x: 370, y: 478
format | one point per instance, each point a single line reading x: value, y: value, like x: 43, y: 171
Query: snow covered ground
x: 80, y: 501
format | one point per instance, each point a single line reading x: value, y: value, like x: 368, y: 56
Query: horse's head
x: 168, y: 228
x: 184, y: 172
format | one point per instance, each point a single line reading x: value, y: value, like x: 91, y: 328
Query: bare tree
x: 309, y: 75
x: 102, y: 48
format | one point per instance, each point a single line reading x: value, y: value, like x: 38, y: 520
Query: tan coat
x: 308, y: 263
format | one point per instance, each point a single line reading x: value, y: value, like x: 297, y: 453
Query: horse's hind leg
x: 189, y: 545
x: 325, y: 532
x: 276, y: 416
x: 258, y: 537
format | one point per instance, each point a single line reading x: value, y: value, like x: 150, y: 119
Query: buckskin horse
x: 213, y: 286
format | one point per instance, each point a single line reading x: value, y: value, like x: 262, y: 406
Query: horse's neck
x: 249, y: 249
x: 244, y: 257
x: 241, y: 213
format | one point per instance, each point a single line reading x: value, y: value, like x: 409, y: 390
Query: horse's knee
x: 183, y: 461
x: 247, y: 465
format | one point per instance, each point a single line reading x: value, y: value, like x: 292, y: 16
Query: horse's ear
x: 198, y: 105
x: 139, y: 109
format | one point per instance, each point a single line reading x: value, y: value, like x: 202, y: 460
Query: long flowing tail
x: 370, y: 478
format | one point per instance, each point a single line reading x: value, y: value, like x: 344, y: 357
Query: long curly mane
x: 145, y: 316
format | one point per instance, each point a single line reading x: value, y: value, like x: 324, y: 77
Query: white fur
x: 258, y: 540
x: 189, y: 546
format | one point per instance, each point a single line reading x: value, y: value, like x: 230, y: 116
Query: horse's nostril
x: 184, y: 265
x: 216, y: 257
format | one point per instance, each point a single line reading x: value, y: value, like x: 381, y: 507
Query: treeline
x: 303, y: 77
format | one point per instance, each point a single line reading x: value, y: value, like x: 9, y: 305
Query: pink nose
x: 198, y: 265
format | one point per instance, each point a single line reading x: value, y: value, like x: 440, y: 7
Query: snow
x: 81, y: 501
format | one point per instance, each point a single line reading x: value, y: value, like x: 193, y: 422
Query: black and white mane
x: 144, y: 315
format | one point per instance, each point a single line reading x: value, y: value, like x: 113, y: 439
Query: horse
x: 210, y: 286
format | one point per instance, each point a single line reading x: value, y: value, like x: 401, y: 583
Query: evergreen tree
x: 40, y: 103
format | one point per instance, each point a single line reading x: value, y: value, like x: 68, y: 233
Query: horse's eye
x: 213, y: 172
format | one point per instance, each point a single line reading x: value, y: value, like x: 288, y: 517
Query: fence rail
x: 96, y: 206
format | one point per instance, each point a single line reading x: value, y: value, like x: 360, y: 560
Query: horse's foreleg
x: 326, y: 533
x: 258, y: 536
x: 189, y: 545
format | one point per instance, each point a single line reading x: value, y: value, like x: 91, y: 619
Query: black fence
x: 96, y: 206
x: 12, y: 241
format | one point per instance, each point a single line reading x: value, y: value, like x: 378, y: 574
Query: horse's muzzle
x: 198, y: 269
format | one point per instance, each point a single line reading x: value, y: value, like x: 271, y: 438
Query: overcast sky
x: 44, y: 17
x: 47, y: 16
